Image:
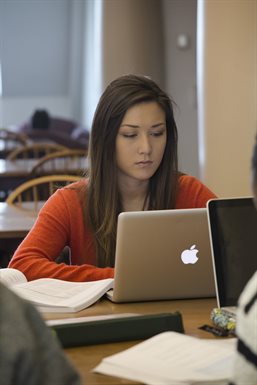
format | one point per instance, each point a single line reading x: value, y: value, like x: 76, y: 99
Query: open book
x: 172, y: 358
x: 54, y: 295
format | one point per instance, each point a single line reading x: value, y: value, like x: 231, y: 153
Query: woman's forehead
x: 143, y: 112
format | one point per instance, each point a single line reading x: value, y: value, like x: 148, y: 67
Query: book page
x: 170, y: 358
x: 58, y: 295
x: 10, y: 277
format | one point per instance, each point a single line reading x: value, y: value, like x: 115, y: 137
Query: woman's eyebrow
x: 136, y: 126
x: 158, y: 124
x: 129, y: 125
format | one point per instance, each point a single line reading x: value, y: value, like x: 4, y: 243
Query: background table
x: 15, y: 172
x: 6, y: 149
x: 15, y: 223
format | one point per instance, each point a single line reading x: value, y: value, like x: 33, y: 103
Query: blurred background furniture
x: 17, y: 171
x: 10, y: 140
x: 60, y: 130
x: 15, y: 224
x: 13, y: 173
x: 34, y: 150
x: 62, y: 162
x: 38, y: 190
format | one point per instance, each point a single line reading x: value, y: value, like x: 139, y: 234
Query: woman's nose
x: 144, y: 145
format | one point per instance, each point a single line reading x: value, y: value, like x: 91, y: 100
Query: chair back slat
x: 62, y: 162
x: 12, y: 140
x: 35, y: 150
x: 39, y: 189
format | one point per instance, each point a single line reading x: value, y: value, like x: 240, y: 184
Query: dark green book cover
x: 136, y: 327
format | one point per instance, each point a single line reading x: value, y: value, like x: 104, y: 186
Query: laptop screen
x: 233, y: 231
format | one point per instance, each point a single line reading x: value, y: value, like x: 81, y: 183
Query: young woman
x: 133, y: 158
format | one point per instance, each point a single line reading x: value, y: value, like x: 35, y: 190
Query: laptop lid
x: 163, y: 255
x: 233, y: 234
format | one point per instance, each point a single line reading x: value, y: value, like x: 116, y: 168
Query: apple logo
x: 189, y: 255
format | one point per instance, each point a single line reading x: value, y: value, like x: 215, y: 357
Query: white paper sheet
x: 173, y: 358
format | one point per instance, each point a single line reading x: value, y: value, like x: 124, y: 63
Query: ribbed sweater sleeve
x: 60, y: 223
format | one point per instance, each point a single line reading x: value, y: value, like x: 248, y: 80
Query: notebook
x: 162, y: 254
x: 233, y: 235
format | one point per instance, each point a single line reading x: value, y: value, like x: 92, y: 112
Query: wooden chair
x: 73, y: 162
x: 35, y: 150
x: 12, y: 139
x: 29, y: 194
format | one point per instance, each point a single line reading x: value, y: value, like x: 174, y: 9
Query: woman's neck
x: 134, y: 196
x: 136, y: 204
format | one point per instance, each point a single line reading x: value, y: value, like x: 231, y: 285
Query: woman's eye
x: 157, y: 133
x: 129, y: 135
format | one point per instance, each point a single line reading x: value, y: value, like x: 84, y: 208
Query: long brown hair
x: 103, y: 196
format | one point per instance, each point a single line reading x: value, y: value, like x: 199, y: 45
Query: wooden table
x: 18, y: 167
x: 15, y: 172
x: 5, y: 148
x: 22, y: 167
x: 15, y: 223
x: 194, y: 312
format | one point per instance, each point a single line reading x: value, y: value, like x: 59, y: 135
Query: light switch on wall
x: 183, y: 41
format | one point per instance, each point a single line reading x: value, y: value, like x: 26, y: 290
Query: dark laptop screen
x: 233, y: 229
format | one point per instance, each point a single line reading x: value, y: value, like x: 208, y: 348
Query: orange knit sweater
x: 60, y: 223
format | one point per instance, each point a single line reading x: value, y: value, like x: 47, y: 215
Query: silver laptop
x: 233, y: 235
x: 162, y: 255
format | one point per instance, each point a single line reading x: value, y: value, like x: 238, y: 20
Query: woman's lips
x: 144, y: 163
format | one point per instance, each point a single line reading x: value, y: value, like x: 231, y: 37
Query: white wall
x: 16, y: 110
x: 228, y: 94
x: 35, y: 58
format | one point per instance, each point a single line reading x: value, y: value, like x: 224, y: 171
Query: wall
x: 227, y: 93
x: 132, y: 39
x: 35, y: 58
x: 180, y: 18
x: 139, y: 36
